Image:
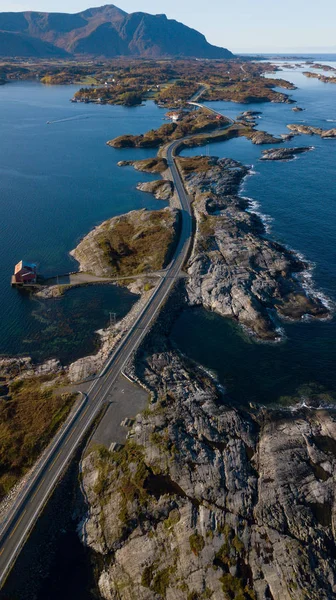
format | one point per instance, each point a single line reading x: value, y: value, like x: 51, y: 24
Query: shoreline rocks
x: 309, y: 130
x: 147, y: 165
x: 234, y: 270
x: 284, y: 154
x: 161, y: 189
x: 140, y: 241
x: 208, y: 499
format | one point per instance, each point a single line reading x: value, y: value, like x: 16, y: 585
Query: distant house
x: 24, y: 273
x: 174, y: 116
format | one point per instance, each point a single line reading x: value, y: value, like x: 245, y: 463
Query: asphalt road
x: 25, y: 513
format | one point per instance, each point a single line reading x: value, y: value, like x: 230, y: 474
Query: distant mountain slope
x: 105, y: 31
x: 18, y: 44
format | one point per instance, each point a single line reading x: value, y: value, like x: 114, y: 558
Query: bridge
x: 211, y: 110
x: 35, y: 495
x: 29, y: 506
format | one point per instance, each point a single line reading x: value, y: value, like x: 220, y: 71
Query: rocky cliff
x: 234, y: 269
x: 210, y: 501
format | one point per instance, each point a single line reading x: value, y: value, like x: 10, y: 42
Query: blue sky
x: 241, y: 25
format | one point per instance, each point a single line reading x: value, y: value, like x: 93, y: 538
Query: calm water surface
x: 58, y: 181
x: 299, y: 201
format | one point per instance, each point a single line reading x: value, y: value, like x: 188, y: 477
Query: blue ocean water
x: 58, y: 181
x: 298, y: 199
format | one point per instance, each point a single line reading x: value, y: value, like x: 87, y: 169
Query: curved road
x: 29, y: 506
x: 25, y: 514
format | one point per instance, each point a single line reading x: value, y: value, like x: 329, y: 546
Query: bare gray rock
x: 234, y: 270
x: 309, y: 130
x: 207, y: 501
x: 162, y: 189
x: 262, y: 137
x: 283, y: 153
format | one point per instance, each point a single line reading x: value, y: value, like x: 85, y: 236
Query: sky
x: 240, y: 25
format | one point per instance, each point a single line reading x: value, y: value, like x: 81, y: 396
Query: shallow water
x: 298, y: 201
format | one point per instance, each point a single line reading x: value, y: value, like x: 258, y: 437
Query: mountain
x: 20, y: 45
x: 106, y: 31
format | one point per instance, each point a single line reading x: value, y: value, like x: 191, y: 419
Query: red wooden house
x: 24, y: 273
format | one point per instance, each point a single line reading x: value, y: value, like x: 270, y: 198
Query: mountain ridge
x: 102, y: 31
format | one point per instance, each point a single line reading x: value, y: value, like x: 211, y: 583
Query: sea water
x: 297, y: 201
x: 59, y: 180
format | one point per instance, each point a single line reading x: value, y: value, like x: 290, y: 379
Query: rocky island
x: 323, y: 78
x: 234, y: 270
x: 139, y: 242
x: 283, y: 153
x: 309, y: 130
x: 191, y: 123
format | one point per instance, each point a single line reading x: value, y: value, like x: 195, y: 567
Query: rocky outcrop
x: 192, y: 123
x: 234, y: 270
x: 297, y: 109
x: 283, y: 153
x: 323, y: 78
x: 207, y: 501
x: 140, y: 241
x: 308, y: 130
x: 287, y: 136
x: 147, y: 165
x: 262, y: 137
x: 25, y: 367
x: 162, y: 189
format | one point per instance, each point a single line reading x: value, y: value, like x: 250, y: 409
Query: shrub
x: 197, y: 543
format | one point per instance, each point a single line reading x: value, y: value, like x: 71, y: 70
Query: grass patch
x: 192, y: 123
x: 28, y: 421
x: 130, y: 246
x: 197, y: 543
x: 234, y: 588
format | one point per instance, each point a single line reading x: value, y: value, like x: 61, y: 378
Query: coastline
x: 229, y: 465
x: 306, y: 276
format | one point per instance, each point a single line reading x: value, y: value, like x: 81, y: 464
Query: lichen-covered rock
x: 206, y: 501
x: 309, y: 130
x: 234, y: 270
x: 283, y: 153
x: 140, y: 241
x: 162, y: 189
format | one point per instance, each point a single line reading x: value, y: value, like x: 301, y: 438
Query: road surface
x: 26, y: 512
x: 211, y: 110
x: 28, y: 508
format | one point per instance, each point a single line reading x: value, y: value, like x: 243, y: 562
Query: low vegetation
x: 151, y: 165
x: 169, y: 83
x: 247, y: 90
x: 191, y: 123
x: 29, y: 417
x: 135, y: 243
x: 197, y: 543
